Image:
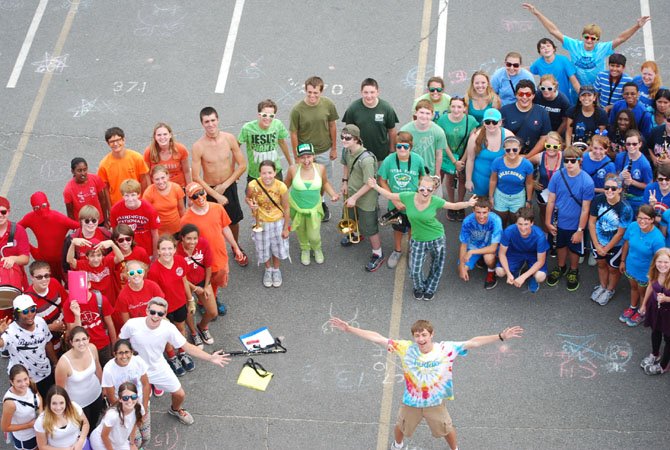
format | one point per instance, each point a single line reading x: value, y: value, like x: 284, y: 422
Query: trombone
x: 348, y: 226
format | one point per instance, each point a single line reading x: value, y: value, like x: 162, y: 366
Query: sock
x: 181, y: 351
x: 490, y: 270
x: 377, y: 252
x: 170, y: 354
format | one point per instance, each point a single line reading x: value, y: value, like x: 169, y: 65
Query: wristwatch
x: 345, y: 179
x: 580, y: 229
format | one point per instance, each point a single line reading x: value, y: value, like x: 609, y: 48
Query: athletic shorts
x: 437, y: 418
x: 472, y: 262
x: 516, y: 264
x: 178, y: 315
x: 563, y: 239
x: 641, y: 283
x: 164, y: 378
x: 509, y: 203
x: 29, y: 444
x: 613, y: 257
x: 367, y: 221
x: 233, y: 207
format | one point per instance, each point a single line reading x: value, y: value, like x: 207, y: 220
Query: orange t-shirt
x: 173, y: 165
x: 167, y: 206
x: 114, y: 171
x: 211, y: 227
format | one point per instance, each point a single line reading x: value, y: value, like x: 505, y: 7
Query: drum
x: 7, y: 296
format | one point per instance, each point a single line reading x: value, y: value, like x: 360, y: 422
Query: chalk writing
x: 54, y: 170
x: 94, y: 106
x: 581, y: 357
x: 161, y: 21
x: 120, y: 88
x: 502, y: 357
x: 51, y: 64
x: 328, y: 328
x: 457, y: 76
x: 517, y: 26
x: 168, y: 440
x: 251, y: 69
x: 410, y: 81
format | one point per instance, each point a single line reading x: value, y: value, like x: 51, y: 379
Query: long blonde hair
x: 471, y: 89
x: 153, y: 147
x: 70, y: 413
x: 653, y: 271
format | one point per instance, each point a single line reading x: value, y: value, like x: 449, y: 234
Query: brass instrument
x: 392, y: 217
x: 348, y: 226
x: 257, y: 227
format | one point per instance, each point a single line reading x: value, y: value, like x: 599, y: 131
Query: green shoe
x: 555, y: 275
x: 304, y: 257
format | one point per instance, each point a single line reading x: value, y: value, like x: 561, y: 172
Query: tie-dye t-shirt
x: 428, y: 377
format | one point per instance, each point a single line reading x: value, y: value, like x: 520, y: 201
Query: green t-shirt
x: 426, y: 143
x: 365, y: 168
x: 457, y: 133
x: 425, y: 226
x: 374, y: 124
x: 441, y: 107
x: 312, y: 122
x: 262, y: 144
x: 402, y: 176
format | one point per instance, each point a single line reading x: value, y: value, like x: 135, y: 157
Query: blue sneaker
x: 221, y: 308
x: 533, y: 285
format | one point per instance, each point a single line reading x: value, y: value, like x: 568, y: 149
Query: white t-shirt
x: 120, y: 432
x: 23, y: 413
x: 28, y: 348
x: 61, y: 437
x: 114, y: 375
x: 150, y: 344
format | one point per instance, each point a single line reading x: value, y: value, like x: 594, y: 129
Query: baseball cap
x: 588, y: 89
x: 305, y: 149
x: 23, y: 301
x: 492, y: 114
x: 352, y: 130
x: 192, y: 188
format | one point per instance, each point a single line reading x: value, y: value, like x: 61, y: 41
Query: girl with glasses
x: 437, y: 96
x: 585, y: 119
x: 167, y: 198
x: 657, y: 194
x: 135, y: 295
x: 480, y: 96
x: 124, y: 236
x: 511, y: 182
x: 556, y: 103
x: 120, y: 422
x: 428, y: 236
x: 634, y: 168
x: 170, y: 154
x: 89, y: 229
x: 63, y: 424
x: 21, y: 405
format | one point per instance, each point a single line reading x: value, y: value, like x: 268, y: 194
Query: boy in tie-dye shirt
x: 427, y: 369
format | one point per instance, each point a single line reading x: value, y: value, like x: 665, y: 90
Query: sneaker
x: 176, y: 367
x: 4, y: 353
x: 635, y: 319
x: 186, y: 361
x: 318, y: 256
x: 533, y: 285
x: 418, y: 294
x: 393, y: 259
x: 605, y: 297
x: 157, y: 392
x: 267, y: 278
x: 592, y: 260
x: 552, y: 251
x: 480, y: 264
x: 197, y: 341
x: 346, y: 242
x: 460, y: 215
x: 491, y: 280
x: 205, y: 335
x: 394, y: 446
x: 555, y: 275
x: 276, y: 278
x: 184, y: 416
x: 572, y: 280
x: 654, y: 369
x: 597, y: 292
x: 428, y: 296
x: 243, y: 261
x: 326, y: 212
x: 627, y: 314
x: 375, y: 263
x: 451, y: 215
x: 304, y: 257
x: 221, y: 309
x: 649, y: 360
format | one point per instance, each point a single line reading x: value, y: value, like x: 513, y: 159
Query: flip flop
x: 243, y: 261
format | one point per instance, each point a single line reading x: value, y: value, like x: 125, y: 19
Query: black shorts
x: 613, y: 258
x: 563, y: 239
x: 178, y: 315
x: 233, y: 207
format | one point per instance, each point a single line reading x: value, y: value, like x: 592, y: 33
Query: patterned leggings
x: 417, y: 255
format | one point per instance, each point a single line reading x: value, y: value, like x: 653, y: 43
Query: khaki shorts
x: 437, y: 418
x: 367, y: 221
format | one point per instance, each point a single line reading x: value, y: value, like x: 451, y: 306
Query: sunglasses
x: 524, y: 94
x: 632, y: 144
x: 402, y: 146
x: 611, y: 188
x: 491, y: 122
x: 346, y: 138
x: 124, y: 239
x: 425, y: 189
x: 87, y: 221
x: 30, y: 310
x: 153, y: 312
x: 590, y: 38
x: 552, y: 146
x: 546, y: 88
x: 136, y: 271
x: 515, y: 65
x: 434, y: 89
x: 512, y: 149
x: 662, y: 179
x: 4, y: 211
x: 200, y: 193
x: 265, y: 115
x: 46, y: 276
x: 570, y: 160
x: 125, y: 398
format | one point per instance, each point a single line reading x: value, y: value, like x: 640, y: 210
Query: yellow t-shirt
x: 267, y: 211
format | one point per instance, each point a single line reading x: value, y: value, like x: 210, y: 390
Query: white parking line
x: 27, y: 43
x: 229, y: 48
x: 441, y: 44
x: 646, y: 32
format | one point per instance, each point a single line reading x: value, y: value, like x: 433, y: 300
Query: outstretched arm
x: 546, y: 23
x: 627, y: 34
x: 368, y: 335
x: 507, y: 333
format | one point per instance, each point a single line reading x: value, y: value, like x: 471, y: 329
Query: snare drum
x: 7, y: 296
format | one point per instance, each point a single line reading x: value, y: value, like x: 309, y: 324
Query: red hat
x: 4, y: 202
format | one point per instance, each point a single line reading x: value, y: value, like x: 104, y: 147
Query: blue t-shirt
x: 662, y: 201
x: 609, y: 93
x: 569, y: 210
x: 641, y: 249
x: 528, y: 126
x: 646, y: 100
x: 511, y: 180
x: 665, y: 220
x: 557, y: 108
x: 610, y: 218
x: 476, y: 235
x: 504, y: 86
x: 561, y: 68
x: 587, y: 63
x: 597, y: 170
x: 524, y: 248
x: 640, y: 170
x: 644, y: 120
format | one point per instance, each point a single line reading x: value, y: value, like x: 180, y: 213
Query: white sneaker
x: 592, y: 259
x: 597, y: 292
x: 395, y: 447
x: 649, y: 360
x: 276, y: 278
x: 318, y: 256
x: 393, y: 259
x: 267, y: 278
x: 605, y: 297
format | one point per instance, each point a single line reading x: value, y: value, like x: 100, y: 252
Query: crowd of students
x: 151, y: 231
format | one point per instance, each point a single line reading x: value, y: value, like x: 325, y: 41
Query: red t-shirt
x: 20, y: 246
x: 50, y: 305
x: 84, y: 194
x: 142, y: 220
x: 198, y: 261
x: 136, y: 254
x: 135, y: 302
x: 98, y: 237
x: 171, y: 280
x: 101, y: 277
x: 91, y: 320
